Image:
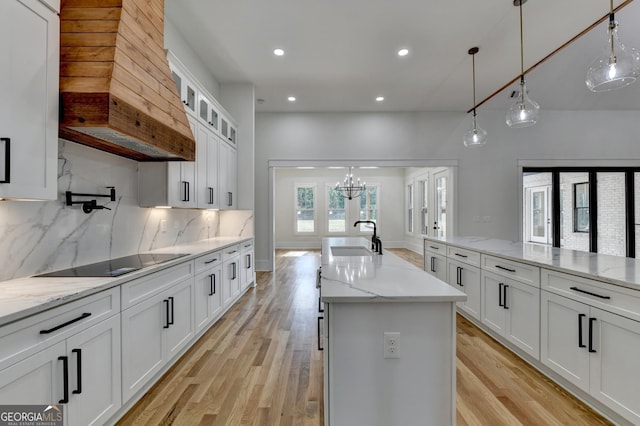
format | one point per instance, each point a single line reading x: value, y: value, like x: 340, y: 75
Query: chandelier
x: 350, y: 188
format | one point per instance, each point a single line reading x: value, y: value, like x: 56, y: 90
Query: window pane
x: 336, y: 214
x: 424, y: 220
x: 368, y: 208
x: 441, y: 206
x: 572, y: 218
x: 305, y: 212
x: 537, y: 217
x: 611, y: 214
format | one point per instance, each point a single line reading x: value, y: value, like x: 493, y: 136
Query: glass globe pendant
x: 524, y: 112
x: 618, y: 67
x: 475, y: 136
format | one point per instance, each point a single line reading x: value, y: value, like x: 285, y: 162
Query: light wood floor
x: 258, y: 365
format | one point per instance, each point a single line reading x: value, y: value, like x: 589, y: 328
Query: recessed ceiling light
x: 278, y: 52
x: 403, y: 52
x: 291, y: 98
x: 380, y: 98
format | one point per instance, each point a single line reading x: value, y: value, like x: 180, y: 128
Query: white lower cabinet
x: 230, y: 279
x: 436, y: 265
x: 248, y: 273
x: 208, y: 296
x: 595, y: 350
x: 81, y: 372
x: 153, y: 332
x: 512, y: 309
x: 466, y: 278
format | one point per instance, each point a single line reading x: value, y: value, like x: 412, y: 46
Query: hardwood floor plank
x: 258, y: 365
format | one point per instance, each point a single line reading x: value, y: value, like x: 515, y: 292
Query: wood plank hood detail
x: 116, y: 89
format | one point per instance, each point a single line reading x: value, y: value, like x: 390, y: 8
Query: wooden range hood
x: 116, y: 89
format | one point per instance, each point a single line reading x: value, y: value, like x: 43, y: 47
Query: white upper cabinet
x: 228, y: 176
x: 208, y: 112
x: 186, y: 89
x: 29, y: 101
x: 207, y: 168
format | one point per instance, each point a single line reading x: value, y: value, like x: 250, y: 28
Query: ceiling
x: 341, y: 54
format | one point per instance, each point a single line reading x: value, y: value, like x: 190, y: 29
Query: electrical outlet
x: 391, y: 345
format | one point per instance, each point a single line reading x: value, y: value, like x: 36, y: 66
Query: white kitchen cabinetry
x: 207, y: 168
x: 591, y: 347
x: 186, y: 89
x: 230, y: 274
x: 155, y: 329
x: 435, y: 259
x: 228, y: 176
x: 228, y: 130
x: 248, y: 274
x: 69, y: 355
x: 209, y: 114
x: 512, y: 310
x: 208, y: 293
x: 466, y: 278
x: 169, y: 183
x: 29, y: 101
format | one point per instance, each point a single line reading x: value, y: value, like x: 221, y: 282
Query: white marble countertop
x: 617, y: 270
x: 378, y: 278
x: 23, y: 297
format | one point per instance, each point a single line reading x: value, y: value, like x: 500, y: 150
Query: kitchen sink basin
x: 350, y: 251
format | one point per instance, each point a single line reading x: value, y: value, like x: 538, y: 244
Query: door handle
x: 210, y: 195
x: 185, y: 195
x: 500, y: 302
x: 591, y: 321
x: 7, y: 160
x: 65, y: 379
x: 504, y: 297
x: 171, y: 301
x: 212, y: 284
x: 78, y: 353
x: 166, y: 302
x: 433, y: 264
x: 580, y: 342
x: 459, y: 276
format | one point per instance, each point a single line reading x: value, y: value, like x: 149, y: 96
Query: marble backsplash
x: 37, y: 237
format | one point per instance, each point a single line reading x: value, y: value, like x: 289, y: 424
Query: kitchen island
x: 389, y: 338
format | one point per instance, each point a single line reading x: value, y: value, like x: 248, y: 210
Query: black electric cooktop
x: 115, y: 267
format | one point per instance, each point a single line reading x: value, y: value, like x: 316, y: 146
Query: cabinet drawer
x: 231, y: 252
x: 609, y: 297
x: 246, y: 246
x: 465, y: 256
x: 435, y: 247
x: 208, y: 261
x: 138, y: 290
x: 25, y: 337
x: 507, y: 268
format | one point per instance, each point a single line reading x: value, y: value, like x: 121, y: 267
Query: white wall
x: 488, y: 179
x: 390, y: 181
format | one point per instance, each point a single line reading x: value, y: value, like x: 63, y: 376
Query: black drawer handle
x: 505, y: 269
x: 589, y: 293
x: 591, y: 321
x: 461, y: 255
x: 320, y: 348
x: 210, y: 261
x: 78, y: 390
x: 65, y: 379
x: 500, y: 302
x: 166, y: 302
x: 7, y: 160
x: 231, y: 252
x: 58, y: 327
x: 434, y: 247
x: 580, y: 342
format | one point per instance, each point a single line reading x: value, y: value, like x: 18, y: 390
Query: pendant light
x: 475, y: 136
x: 618, y: 66
x: 524, y: 112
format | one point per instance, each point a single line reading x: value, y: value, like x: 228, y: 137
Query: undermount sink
x: 350, y: 251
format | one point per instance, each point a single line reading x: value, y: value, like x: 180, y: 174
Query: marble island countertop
x: 23, y: 297
x: 617, y: 270
x: 377, y: 278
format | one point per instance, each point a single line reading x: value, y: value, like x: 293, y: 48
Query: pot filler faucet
x: 376, y: 242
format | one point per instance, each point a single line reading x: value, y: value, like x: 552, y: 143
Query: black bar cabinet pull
x: 166, y: 302
x: 580, y: 342
x: 210, y: 261
x: 78, y: 390
x: 7, y: 160
x: 433, y: 264
x: 171, y: 300
x: 591, y: 321
x: 248, y: 261
x: 320, y: 348
x: 58, y: 327
x: 461, y: 255
x: 435, y: 248
x: 233, y: 268
x: 65, y: 379
x: 459, y: 276
x: 500, y: 303
x: 505, y: 269
x: 212, y: 284
x: 210, y: 195
x: 185, y: 196
x: 579, y: 290
x: 504, y: 297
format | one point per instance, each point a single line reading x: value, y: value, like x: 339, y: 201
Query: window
x: 305, y: 209
x: 410, y: 208
x: 336, y: 211
x: 581, y: 207
x: 369, y: 208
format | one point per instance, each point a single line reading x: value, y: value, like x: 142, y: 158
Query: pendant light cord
x: 521, y: 55
x: 612, y: 26
x: 473, y: 66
